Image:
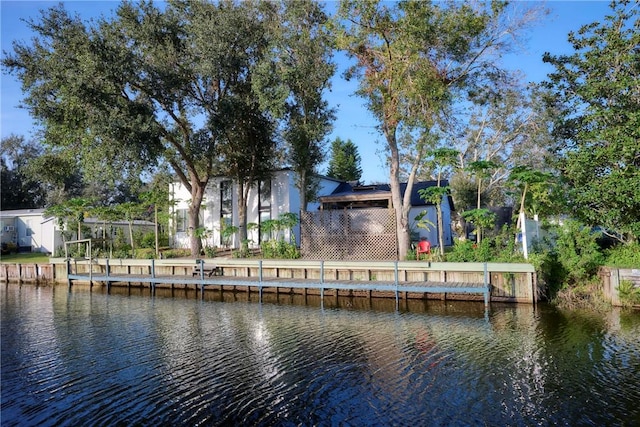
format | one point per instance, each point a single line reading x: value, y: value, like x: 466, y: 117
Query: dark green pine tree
x: 345, y: 161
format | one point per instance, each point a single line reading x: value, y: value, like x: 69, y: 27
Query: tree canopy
x: 345, y: 161
x: 596, y: 91
x: 413, y: 60
x: 150, y: 84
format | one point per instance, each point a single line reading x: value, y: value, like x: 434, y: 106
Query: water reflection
x: 176, y: 357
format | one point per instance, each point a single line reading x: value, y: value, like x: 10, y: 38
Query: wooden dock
x: 281, y: 276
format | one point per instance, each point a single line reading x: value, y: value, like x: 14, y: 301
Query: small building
x: 358, y: 222
x: 350, y: 196
x: 267, y: 200
x: 28, y: 230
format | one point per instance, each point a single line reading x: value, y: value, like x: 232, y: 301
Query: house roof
x: 21, y: 212
x: 347, y: 192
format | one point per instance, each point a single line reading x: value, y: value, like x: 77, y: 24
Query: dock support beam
x: 487, y: 286
x: 395, y: 273
x: 106, y: 268
x: 260, y: 281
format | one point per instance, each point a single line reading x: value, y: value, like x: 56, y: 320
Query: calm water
x: 87, y: 358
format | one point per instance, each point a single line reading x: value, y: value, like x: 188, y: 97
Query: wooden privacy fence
x: 349, y: 235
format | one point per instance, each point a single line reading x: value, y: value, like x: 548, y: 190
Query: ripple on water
x: 90, y: 358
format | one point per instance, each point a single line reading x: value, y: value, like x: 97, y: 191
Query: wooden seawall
x: 404, y: 279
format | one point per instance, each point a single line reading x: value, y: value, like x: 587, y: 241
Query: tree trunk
x: 243, y: 190
x: 197, y: 194
x: 440, y: 228
x: 155, y: 220
x: 302, y: 188
x: 402, y: 212
x: 133, y: 249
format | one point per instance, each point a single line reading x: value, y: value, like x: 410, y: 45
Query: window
x: 264, y: 190
x: 226, y: 210
x: 181, y: 220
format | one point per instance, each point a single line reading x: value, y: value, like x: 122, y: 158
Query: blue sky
x: 353, y: 120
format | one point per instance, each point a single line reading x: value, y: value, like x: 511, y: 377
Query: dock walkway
x: 202, y: 278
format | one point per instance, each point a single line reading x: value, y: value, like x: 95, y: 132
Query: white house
x: 267, y: 200
x: 31, y: 231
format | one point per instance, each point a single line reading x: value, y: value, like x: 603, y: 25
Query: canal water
x: 87, y: 358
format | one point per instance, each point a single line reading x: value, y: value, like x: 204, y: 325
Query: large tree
x: 19, y: 190
x: 413, y: 59
x: 597, y: 92
x: 293, y: 84
x: 143, y: 85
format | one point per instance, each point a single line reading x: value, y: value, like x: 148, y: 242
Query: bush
x: 279, y: 249
x: 176, y: 253
x: 551, y: 274
x: 623, y: 256
x: 629, y: 294
x: 578, y: 252
x: 9, y: 247
x: 146, y: 253
x: 498, y: 248
x: 147, y: 240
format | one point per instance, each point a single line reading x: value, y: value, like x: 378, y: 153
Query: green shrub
x: 468, y: 251
x: 146, y: 253
x: 176, y: 253
x: 623, y: 256
x: 210, y: 251
x: 122, y: 252
x: 578, y: 252
x: 629, y: 294
x: 551, y: 274
x: 147, y: 240
x: 279, y: 249
x: 10, y: 248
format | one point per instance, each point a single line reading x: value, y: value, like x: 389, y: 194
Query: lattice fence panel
x: 350, y: 235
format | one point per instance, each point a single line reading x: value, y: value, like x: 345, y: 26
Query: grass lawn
x: 25, y: 258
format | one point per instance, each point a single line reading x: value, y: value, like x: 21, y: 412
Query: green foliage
x: 279, y: 249
x: 535, y: 186
x: 176, y: 253
x: 210, y: 251
x: 483, y: 219
x: 623, y: 256
x: 595, y: 91
x: 18, y: 188
x: 498, y: 248
x: 423, y: 222
x: 9, y: 247
x: 145, y: 253
x: 628, y: 293
x: 578, y: 252
x: 551, y: 273
x: 227, y: 231
x: 148, y: 240
x: 276, y: 246
x: 345, y: 161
